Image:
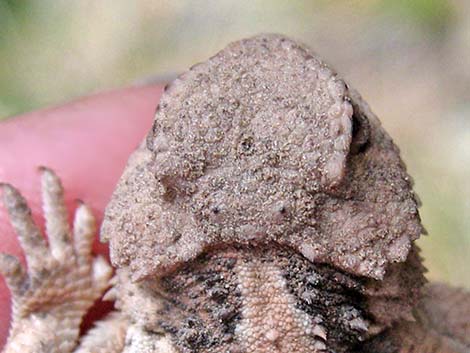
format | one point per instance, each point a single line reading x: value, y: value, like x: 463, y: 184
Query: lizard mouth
x: 244, y: 295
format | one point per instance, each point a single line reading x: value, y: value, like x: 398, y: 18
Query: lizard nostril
x: 279, y: 212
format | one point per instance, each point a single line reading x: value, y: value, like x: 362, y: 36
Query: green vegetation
x: 436, y: 15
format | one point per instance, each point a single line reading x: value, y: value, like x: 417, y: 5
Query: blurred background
x: 409, y: 59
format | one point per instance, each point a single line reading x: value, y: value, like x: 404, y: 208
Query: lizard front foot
x: 62, y: 279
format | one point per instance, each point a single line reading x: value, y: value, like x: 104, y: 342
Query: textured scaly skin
x: 63, y: 280
x: 267, y: 211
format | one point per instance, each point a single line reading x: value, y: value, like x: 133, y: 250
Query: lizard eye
x: 360, y: 133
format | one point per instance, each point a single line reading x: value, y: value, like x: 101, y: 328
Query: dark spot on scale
x: 247, y: 146
x: 176, y: 236
x: 170, y: 191
x: 231, y: 263
x: 193, y: 334
x: 218, y: 294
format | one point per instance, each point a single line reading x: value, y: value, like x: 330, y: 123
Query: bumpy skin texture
x: 263, y: 144
x: 266, y: 211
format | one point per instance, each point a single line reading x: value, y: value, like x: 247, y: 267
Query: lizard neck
x: 271, y: 299
x: 262, y: 299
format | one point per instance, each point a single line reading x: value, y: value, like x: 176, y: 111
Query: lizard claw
x: 63, y: 279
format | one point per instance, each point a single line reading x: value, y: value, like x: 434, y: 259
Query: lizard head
x: 264, y: 169
x: 263, y: 143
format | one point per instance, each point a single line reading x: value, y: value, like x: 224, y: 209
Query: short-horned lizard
x: 266, y: 211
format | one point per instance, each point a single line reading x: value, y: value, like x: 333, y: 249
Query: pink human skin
x: 87, y: 142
